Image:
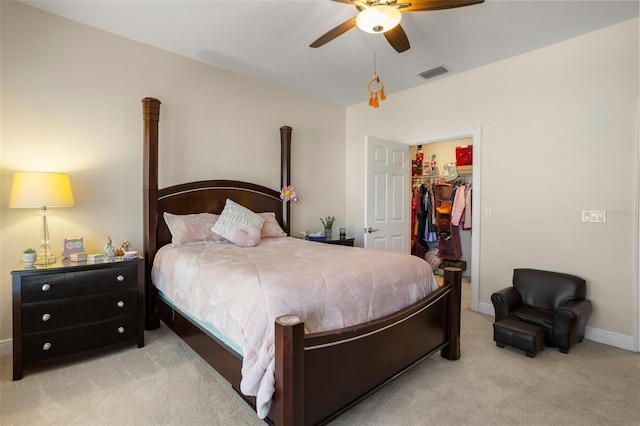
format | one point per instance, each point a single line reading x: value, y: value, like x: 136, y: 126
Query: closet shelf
x: 427, y: 177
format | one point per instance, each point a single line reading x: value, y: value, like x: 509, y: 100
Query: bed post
x: 288, y: 401
x: 453, y: 276
x: 285, y: 173
x: 151, y: 117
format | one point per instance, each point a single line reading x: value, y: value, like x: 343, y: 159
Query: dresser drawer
x: 43, y: 316
x: 63, y: 285
x: 44, y: 346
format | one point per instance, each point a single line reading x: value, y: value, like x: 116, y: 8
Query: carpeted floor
x: 165, y: 383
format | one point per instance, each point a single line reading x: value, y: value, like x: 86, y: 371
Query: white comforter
x: 241, y: 291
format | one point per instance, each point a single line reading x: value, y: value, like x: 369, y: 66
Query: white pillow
x: 235, y: 217
x: 192, y: 228
x: 271, y: 227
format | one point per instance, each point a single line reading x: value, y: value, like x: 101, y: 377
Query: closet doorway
x: 443, y: 147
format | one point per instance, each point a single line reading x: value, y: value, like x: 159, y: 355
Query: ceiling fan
x: 384, y: 16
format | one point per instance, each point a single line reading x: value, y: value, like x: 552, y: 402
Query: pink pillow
x: 192, y: 228
x: 248, y: 238
x: 271, y: 227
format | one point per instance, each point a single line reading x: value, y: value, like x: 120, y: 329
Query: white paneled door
x: 387, y: 192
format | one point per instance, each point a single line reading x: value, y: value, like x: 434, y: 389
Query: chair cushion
x: 548, y: 290
x: 540, y: 317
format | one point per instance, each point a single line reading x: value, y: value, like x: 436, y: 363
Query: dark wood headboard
x: 203, y: 196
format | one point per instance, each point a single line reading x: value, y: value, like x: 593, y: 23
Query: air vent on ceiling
x: 433, y: 72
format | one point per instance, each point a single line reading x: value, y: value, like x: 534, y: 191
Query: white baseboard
x: 6, y: 347
x: 608, y: 338
x: 596, y: 335
x: 487, y: 309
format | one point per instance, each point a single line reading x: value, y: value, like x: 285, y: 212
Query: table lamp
x: 41, y: 190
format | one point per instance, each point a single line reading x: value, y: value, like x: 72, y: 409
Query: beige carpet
x: 166, y: 383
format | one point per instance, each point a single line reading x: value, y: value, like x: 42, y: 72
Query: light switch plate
x: 594, y: 216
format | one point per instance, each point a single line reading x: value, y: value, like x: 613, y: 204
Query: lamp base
x: 45, y: 257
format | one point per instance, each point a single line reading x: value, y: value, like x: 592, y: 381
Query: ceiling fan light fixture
x: 378, y: 19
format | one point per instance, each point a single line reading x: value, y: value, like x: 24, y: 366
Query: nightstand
x: 73, y: 308
x: 343, y: 242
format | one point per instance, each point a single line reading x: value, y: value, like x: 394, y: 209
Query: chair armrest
x: 570, y: 321
x: 504, y: 301
x: 578, y: 307
x: 573, y: 310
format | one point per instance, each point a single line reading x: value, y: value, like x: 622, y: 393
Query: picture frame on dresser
x: 72, y: 309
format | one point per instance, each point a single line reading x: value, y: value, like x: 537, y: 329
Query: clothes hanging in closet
x: 423, y: 228
x: 461, y: 212
x: 449, y: 246
x: 439, y: 207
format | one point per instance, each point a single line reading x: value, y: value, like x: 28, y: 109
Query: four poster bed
x: 316, y: 370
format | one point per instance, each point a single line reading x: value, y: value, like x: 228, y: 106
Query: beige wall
x: 71, y: 103
x: 559, y: 132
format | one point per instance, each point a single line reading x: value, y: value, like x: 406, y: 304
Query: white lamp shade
x: 40, y: 189
x: 378, y: 19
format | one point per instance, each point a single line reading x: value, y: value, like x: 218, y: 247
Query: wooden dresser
x: 68, y: 309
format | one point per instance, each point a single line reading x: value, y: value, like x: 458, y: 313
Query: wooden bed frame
x: 319, y: 375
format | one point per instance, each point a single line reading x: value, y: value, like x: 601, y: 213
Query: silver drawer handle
x: 120, y: 278
x: 46, y: 346
x: 46, y: 317
x: 120, y: 304
x: 120, y: 330
x: 46, y: 287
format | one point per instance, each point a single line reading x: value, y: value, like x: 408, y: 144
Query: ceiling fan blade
x: 397, y: 38
x: 421, y: 5
x: 337, y: 31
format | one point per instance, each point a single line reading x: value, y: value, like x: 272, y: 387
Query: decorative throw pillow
x: 235, y: 217
x: 271, y: 227
x: 250, y: 238
x: 192, y: 228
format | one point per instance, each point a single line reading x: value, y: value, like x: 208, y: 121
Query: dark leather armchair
x: 552, y: 300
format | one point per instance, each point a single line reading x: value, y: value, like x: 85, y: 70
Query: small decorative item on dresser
x: 317, y: 236
x: 126, y: 246
x: 327, y: 222
x: 343, y: 233
x: 130, y: 255
x: 109, y: 250
x: 95, y: 257
x: 72, y: 245
x: 29, y: 257
x: 78, y: 257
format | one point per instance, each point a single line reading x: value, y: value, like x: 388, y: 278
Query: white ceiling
x: 270, y: 39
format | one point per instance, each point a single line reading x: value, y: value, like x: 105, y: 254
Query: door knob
x: 369, y: 230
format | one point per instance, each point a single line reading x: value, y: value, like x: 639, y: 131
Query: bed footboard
x: 321, y: 375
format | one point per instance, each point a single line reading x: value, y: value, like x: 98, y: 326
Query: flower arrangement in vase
x: 327, y: 222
